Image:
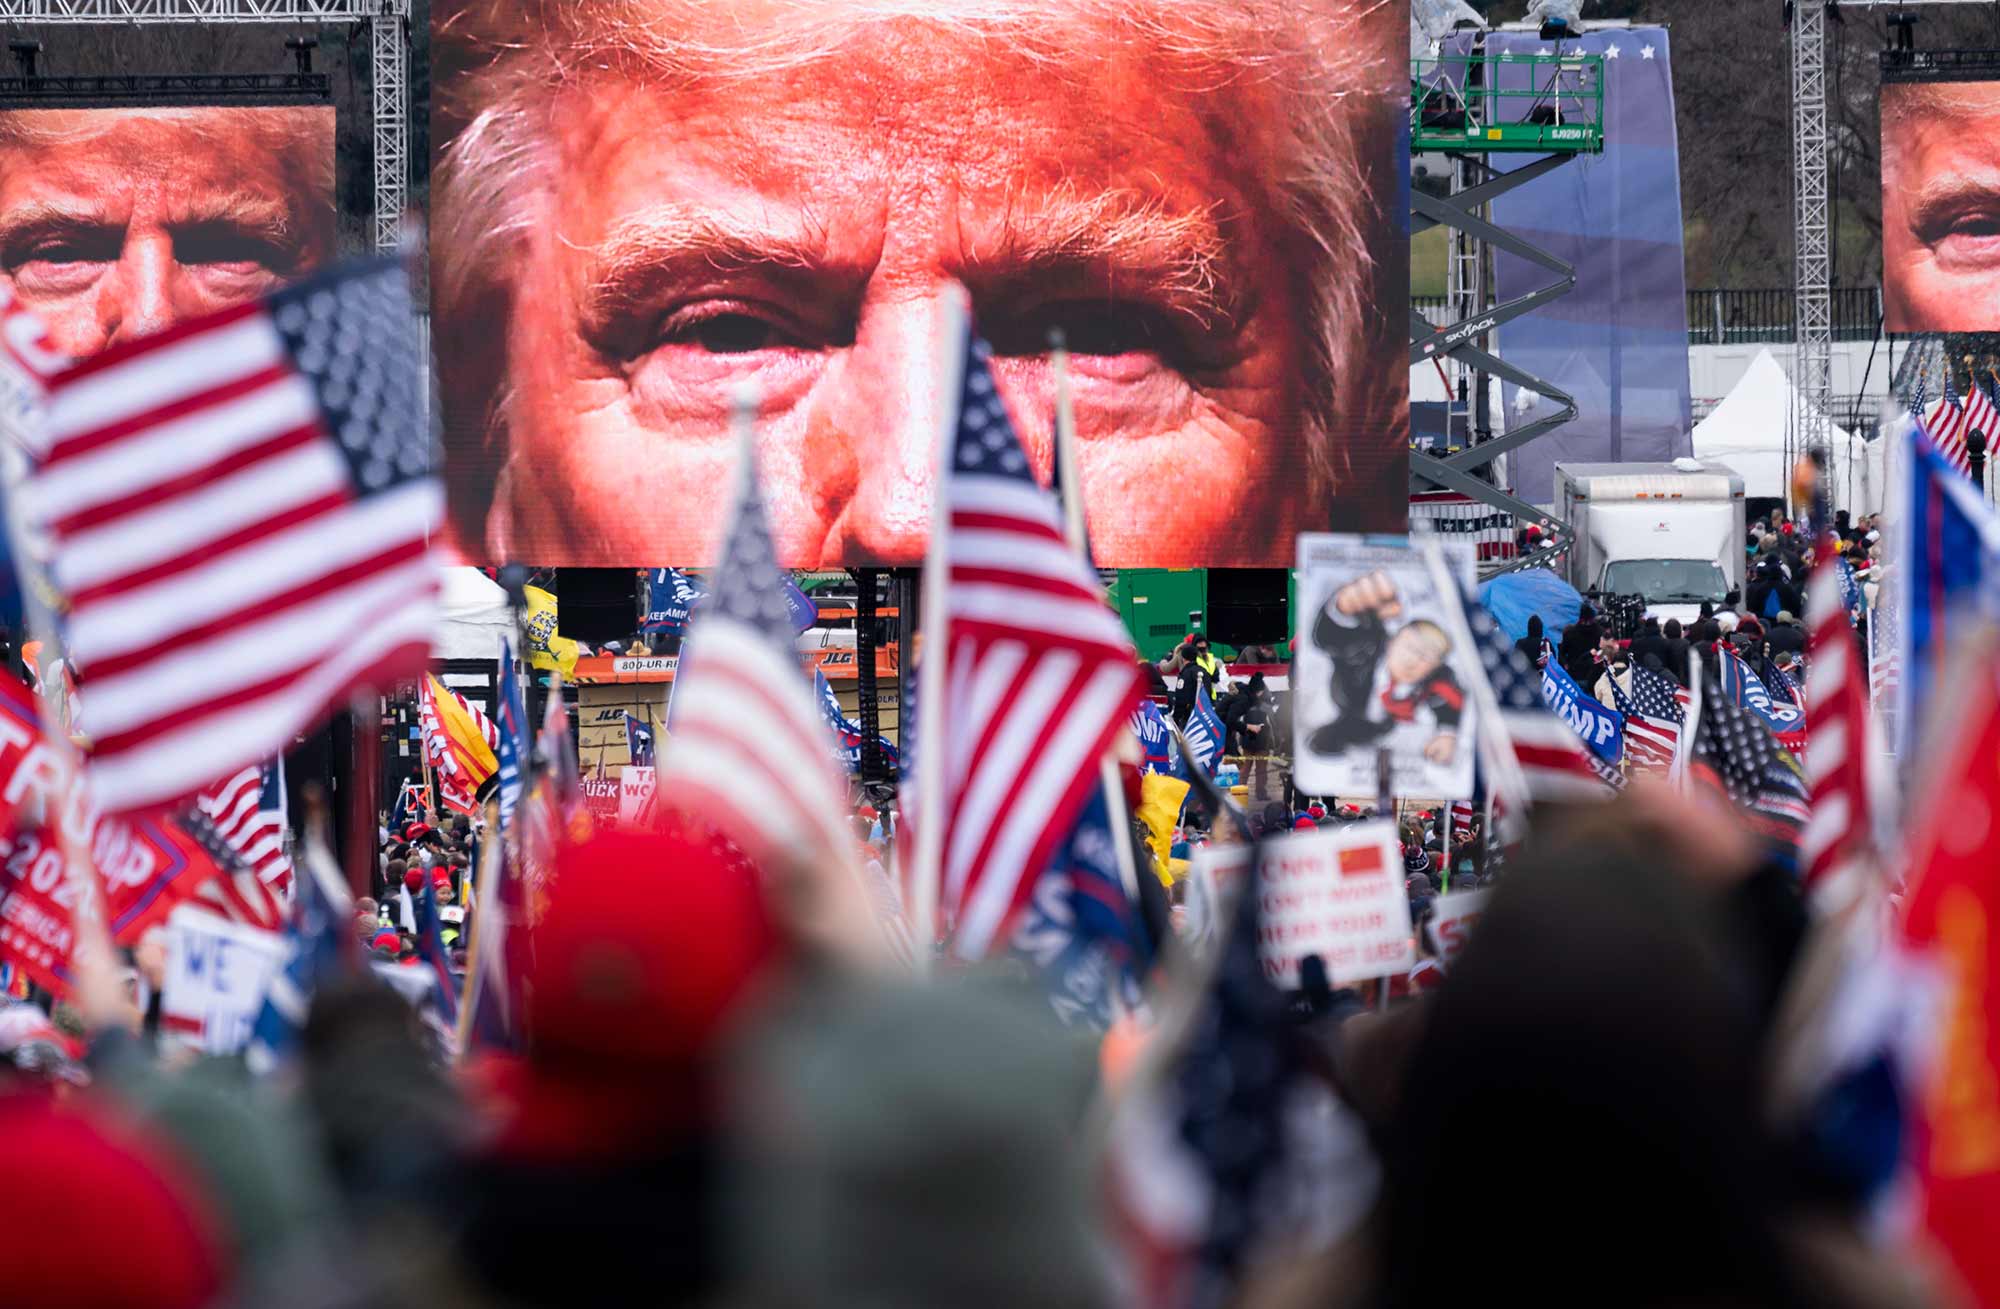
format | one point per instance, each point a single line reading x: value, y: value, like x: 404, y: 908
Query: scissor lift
x: 1469, y: 106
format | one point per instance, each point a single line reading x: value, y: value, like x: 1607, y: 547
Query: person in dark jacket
x: 1676, y: 657
x: 1530, y: 645
x: 1578, y: 652
x: 1768, y: 591
x: 1785, y: 635
x: 1649, y: 641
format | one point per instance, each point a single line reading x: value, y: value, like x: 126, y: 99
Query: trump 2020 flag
x: 1204, y: 730
x: 670, y: 599
x: 239, y: 509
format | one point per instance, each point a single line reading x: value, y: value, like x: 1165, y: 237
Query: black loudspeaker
x: 595, y: 605
x: 1246, y: 606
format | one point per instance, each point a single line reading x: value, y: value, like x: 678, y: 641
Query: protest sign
x: 217, y: 975
x: 1336, y: 892
x: 601, y: 799
x: 1452, y: 917
x: 1376, y: 669
x: 1601, y: 729
x: 636, y: 788
x: 37, y: 910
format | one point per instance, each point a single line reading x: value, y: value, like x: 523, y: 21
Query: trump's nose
x: 135, y: 297
x: 875, y: 437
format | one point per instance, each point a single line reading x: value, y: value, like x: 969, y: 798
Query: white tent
x: 476, y: 616
x: 1747, y: 432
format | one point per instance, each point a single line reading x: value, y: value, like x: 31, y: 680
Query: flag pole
x: 1494, y: 741
x: 1069, y: 482
x: 935, y: 619
x: 486, y: 885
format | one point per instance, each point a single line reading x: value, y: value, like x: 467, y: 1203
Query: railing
x: 1729, y: 317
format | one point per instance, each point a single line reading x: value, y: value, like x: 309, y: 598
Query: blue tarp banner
x: 1511, y: 597
x: 1618, y: 342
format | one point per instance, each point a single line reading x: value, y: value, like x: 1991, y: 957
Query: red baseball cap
x: 414, y: 879
x: 651, y: 943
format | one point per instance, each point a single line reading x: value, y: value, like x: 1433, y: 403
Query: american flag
x: 1040, y: 674
x: 239, y: 508
x: 1735, y: 752
x: 1553, y: 761
x: 1654, y: 712
x: 748, y: 753
x: 1949, y: 422
x: 1836, y: 754
x: 248, y: 810
x: 460, y: 741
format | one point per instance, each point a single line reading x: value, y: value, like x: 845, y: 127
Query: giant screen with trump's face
x: 1941, y: 205
x: 116, y: 222
x: 641, y: 206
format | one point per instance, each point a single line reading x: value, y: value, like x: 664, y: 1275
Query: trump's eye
x: 725, y: 329
x: 229, y: 250
x: 55, y: 264
x: 1964, y: 232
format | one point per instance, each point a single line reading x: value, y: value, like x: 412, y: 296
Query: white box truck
x: 1670, y: 533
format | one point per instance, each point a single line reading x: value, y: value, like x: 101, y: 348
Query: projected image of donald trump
x: 116, y: 223
x: 640, y: 205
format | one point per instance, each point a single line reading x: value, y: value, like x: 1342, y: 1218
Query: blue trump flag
x: 1949, y: 559
x: 1603, y: 730
x: 1156, y: 741
x: 1742, y: 685
x: 1081, y: 931
x: 847, y: 733
x: 1204, y: 729
x: 670, y: 597
x: 639, y: 741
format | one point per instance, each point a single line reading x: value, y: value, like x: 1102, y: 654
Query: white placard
x: 1452, y: 917
x: 1336, y: 892
x: 216, y: 978
x: 635, y: 797
x: 1375, y: 667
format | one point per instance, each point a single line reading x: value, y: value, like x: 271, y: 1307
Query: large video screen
x: 639, y: 208
x: 115, y: 223
x: 1940, y: 207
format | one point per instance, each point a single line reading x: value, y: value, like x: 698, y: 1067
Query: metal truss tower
x: 388, y: 22
x: 1812, y: 268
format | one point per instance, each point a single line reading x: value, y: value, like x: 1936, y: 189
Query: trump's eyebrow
x: 1116, y: 243
x: 649, y: 254
x: 1941, y: 197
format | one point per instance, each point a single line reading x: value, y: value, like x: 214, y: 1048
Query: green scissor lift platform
x: 1508, y: 104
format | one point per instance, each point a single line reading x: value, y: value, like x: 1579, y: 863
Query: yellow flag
x: 1160, y: 800
x: 546, y: 648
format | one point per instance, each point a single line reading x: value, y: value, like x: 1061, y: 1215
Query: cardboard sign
x: 636, y: 788
x: 1336, y: 892
x: 1452, y: 917
x: 217, y: 975
x: 1376, y: 669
